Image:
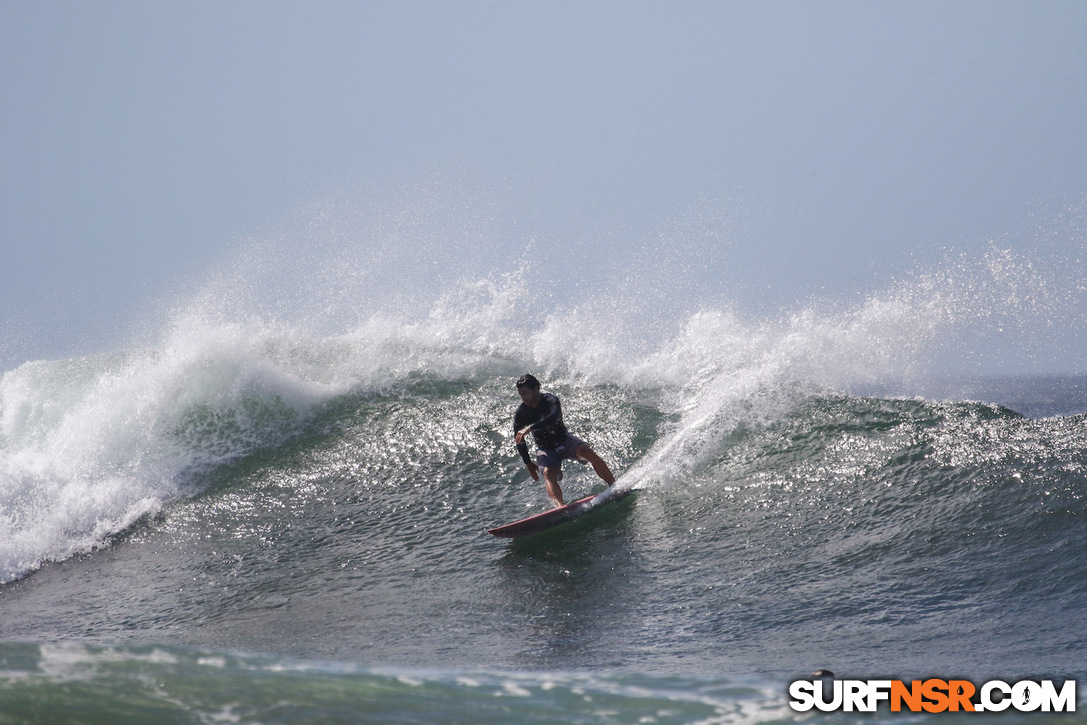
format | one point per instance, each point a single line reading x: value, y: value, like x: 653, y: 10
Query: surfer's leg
x: 551, y: 478
x: 588, y: 454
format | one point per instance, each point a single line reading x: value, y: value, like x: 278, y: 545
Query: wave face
x: 92, y: 445
x: 313, y: 479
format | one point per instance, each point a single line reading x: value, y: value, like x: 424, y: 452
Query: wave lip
x: 89, y: 446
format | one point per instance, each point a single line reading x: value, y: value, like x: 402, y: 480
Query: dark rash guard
x: 546, y: 421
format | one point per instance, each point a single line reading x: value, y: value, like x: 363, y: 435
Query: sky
x: 806, y: 149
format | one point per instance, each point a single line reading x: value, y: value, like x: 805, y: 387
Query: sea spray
x: 724, y: 370
x: 245, y: 362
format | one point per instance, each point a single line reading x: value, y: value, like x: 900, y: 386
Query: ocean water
x: 262, y: 516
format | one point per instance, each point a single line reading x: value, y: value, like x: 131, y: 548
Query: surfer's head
x: 529, y: 389
x: 528, y: 381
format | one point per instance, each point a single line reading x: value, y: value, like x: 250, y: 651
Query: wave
x: 89, y: 446
x: 179, y: 685
x: 838, y: 523
x: 45, y: 683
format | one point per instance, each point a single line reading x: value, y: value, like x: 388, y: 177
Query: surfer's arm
x: 520, y: 430
x: 522, y: 448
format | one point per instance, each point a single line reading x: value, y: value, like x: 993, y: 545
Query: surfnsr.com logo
x: 932, y: 695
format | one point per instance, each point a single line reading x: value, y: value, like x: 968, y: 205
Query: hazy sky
x: 849, y: 141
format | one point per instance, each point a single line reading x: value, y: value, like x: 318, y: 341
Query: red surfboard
x: 561, y: 515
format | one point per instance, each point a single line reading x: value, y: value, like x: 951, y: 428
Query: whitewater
x: 272, y: 506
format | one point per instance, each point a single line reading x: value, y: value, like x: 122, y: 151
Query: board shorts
x: 567, y: 450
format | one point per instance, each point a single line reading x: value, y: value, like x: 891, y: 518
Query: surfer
x: 541, y: 415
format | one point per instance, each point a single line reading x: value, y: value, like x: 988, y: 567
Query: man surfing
x: 541, y: 415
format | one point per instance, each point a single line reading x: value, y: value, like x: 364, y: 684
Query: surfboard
x: 557, y: 516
